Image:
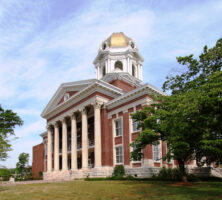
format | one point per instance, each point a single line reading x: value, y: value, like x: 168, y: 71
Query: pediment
x: 70, y: 88
x: 78, y: 91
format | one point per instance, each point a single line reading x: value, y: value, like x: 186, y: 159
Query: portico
x: 72, y: 149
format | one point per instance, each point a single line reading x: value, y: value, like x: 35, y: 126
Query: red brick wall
x: 118, y: 140
x: 148, y: 152
x: 126, y: 140
x: 107, y: 139
x: 163, y: 151
x: 38, y: 160
x: 123, y: 85
x: 70, y: 94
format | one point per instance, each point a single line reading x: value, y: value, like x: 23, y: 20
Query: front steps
x: 206, y: 172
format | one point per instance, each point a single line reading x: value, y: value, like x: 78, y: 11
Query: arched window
x: 104, y: 71
x: 133, y: 70
x: 119, y: 65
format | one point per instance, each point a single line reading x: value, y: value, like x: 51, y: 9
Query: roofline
x: 99, y: 83
x: 146, y: 86
x: 75, y: 83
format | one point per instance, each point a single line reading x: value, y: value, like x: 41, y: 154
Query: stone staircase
x: 206, y: 172
x: 216, y: 172
x: 57, y: 175
x: 141, y: 172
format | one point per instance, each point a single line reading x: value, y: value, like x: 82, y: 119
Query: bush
x: 119, y: 170
x: 40, y: 174
x: 169, y: 174
x: 5, y: 173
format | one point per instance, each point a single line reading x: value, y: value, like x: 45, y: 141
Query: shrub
x: 119, y: 170
x: 169, y: 174
x: 40, y: 174
x: 5, y: 174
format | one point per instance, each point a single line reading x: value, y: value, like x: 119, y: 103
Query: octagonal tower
x: 118, y: 54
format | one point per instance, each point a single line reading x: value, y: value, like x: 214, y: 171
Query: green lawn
x: 104, y: 190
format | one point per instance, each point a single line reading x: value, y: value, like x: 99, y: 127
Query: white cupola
x: 118, y: 54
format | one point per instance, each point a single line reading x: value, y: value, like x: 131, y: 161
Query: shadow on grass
x: 195, y: 190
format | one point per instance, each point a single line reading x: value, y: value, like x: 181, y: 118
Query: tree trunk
x: 182, y: 170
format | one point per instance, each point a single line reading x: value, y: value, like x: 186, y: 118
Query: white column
x: 141, y: 72
x: 84, y: 139
x: 138, y: 74
x: 73, y: 143
x: 97, y: 135
x: 56, y: 147
x: 49, y: 153
x: 64, y: 145
x: 128, y: 66
x: 106, y: 65
x: 109, y: 65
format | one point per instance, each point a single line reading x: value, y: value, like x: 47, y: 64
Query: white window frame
x: 159, y: 152
x: 46, y: 149
x: 134, y: 131
x: 135, y: 161
x: 119, y: 146
x: 119, y: 128
x: 171, y: 160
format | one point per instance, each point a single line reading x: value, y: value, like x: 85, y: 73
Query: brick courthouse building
x: 89, y: 127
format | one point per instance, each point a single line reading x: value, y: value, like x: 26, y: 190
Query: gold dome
x: 118, y: 40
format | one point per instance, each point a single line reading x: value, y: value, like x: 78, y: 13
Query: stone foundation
x: 139, y: 172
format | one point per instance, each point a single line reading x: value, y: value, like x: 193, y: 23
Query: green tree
x: 189, y: 120
x: 22, y: 166
x: 8, y: 121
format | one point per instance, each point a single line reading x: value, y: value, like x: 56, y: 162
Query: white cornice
x: 118, y: 52
x: 145, y: 89
x: 122, y: 76
x: 76, y: 85
x: 97, y: 86
x: 43, y: 134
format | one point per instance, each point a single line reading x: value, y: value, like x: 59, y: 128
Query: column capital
x: 97, y: 104
x: 73, y: 116
x: 49, y: 127
x: 56, y: 124
x: 83, y: 110
x: 64, y: 120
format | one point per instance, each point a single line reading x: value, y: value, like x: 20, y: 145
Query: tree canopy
x: 8, y: 121
x: 22, y: 167
x: 190, y: 119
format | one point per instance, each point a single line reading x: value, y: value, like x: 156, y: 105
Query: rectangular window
x: 156, y: 152
x: 167, y: 152
x: 118, y: 127
x: 136, y: 160
x: 46, y: 148
x: 135, y: 125
x: 119, y: 154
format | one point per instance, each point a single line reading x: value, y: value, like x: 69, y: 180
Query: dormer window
x: 119, y: 65
x: 66, y: 96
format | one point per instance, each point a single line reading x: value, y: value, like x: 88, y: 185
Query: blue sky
x: 47, y: 42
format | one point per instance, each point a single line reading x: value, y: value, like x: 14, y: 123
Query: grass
x: 116, y: 190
